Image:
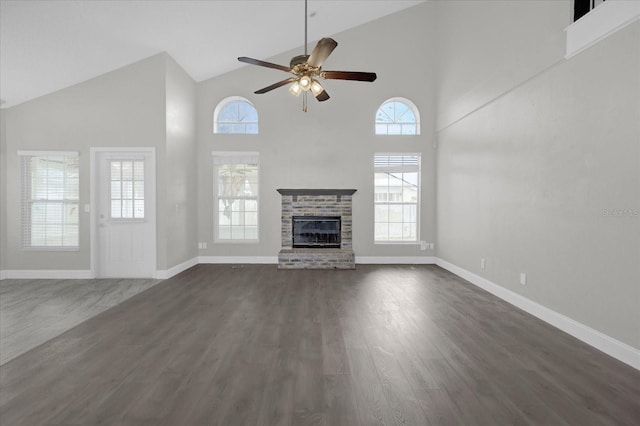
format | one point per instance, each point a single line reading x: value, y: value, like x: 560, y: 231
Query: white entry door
x: 125, y: 218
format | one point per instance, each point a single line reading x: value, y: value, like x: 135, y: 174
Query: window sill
x: 397, y: 243
x: 50, y: 248
x: 236, y: 241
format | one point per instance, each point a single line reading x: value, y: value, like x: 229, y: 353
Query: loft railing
x: 582, y: 7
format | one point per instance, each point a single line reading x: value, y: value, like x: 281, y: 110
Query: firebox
x: 316, y: 231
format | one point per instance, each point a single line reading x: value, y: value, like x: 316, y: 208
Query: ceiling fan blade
x: 263, y: 64
x: 349, y: 75
x: 322, y: 96
x: 321, y: 52
x: 275, y: 85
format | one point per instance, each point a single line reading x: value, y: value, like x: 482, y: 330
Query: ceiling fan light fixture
x: 316, y: 87
x: 307, y: 68
x: 295, y: 89
x: 305, y: 82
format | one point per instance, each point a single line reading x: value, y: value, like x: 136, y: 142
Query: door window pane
x: 127, y: 189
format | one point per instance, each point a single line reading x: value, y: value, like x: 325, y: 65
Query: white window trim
x: 599, y: 23
x: 37, y: 153
x: 418, y: 202
x: 411, y: 105
x: 224, y: 103
x: 240, y: 157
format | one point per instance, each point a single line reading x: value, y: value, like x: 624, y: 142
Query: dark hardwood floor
x: 35, y: 311
x: 380, y: 345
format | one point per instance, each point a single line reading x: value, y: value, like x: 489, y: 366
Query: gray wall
x: 3, y: 197
x: 487, y: 47
x: 332, y: 145
x: 125, y: 107
x: 181, y: 177
x: 526, y: 181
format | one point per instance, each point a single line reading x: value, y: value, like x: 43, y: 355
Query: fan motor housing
x: 297, y: 60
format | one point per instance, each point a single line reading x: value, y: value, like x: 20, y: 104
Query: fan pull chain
x: 304, y: 102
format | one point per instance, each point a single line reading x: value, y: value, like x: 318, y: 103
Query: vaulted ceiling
x: 49, y: 45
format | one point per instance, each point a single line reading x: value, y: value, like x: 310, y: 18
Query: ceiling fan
x: 306, y: 70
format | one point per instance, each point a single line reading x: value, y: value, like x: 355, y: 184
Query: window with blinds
x: 50, y: 207
x: 396, y: 197
x: 236, y: 196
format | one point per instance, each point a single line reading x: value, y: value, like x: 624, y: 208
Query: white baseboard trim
x: 612, y: 347
x: 53, y: 274
x: 164, y: 274
x: 239, y: 259
x: 395, y: 260
x: 2, y: 275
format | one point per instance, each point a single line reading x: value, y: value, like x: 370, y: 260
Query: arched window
x: 235, y: 115
x: 397, y: 116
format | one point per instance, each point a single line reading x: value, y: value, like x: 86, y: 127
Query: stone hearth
x: 316, y: 202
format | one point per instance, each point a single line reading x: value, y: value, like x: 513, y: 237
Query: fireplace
x: 316, y: 231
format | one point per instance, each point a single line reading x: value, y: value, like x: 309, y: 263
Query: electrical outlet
x: 204, y: 245
x: 431, y: 246
x: 523, y: 278
x: 423, y: 245
x: 483, y: 264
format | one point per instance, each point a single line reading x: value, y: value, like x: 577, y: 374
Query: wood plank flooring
x: 35, y: 311
x: 379, y: 345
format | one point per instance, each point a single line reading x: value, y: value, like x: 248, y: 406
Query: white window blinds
x: 50, y: 200
x: 406, y: 162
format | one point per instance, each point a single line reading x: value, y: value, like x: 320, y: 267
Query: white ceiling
x: 49, y: 45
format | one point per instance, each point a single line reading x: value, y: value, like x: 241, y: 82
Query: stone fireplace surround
x: 316, y: 202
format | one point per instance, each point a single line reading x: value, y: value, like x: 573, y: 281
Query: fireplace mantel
x: 300, y: 191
